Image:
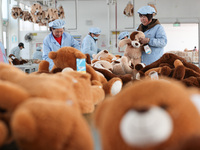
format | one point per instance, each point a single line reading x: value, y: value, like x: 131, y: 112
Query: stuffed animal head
x: 41, y: 124
x: 149, y: 114
x: 66, y: 57
x: 103, y: 55
x: 134, y: 39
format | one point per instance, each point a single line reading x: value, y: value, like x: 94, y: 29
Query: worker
x: 38, y: 53
x: 3, y: 57
x: 123, y: 35
x: 57, y: 39
x: 89, y: 44
x: 155, y: 35
x: 16, y: 50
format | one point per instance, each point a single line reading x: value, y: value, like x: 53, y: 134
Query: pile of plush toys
x: 38, y: 14
x: 47, y: 109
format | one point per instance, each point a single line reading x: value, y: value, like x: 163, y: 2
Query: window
x: 181, y: 37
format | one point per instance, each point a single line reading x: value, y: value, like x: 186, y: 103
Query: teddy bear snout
x: 135, y: 44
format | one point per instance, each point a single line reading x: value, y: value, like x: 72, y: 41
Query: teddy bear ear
x: 52, y: 55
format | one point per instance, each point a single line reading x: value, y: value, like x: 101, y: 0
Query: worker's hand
x: 144, y: 40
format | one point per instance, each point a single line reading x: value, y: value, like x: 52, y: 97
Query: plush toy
x: 16, y: 61
x: 39, y: 124
x: 168, y: 59
x: 133, y: 50
x: 103, y: 55
x: 106, y: 68
x: 61, y: 13
x: 67, y: 56
x: 153, y: 115
x: 128, y: 11
x: 16, y: 12
x: 88, y: 94
x: 12, y: 95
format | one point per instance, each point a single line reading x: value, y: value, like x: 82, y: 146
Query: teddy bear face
x: 153, y: 114
x: 66, y: 57
x: 135, y: 37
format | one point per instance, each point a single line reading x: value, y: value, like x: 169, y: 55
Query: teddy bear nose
x: 136, y: 44
x: 142, y: 110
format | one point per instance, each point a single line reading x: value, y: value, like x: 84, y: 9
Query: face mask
x: 96, y: 38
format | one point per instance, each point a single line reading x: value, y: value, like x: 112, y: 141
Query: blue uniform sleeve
x: 46, y: 50
x: 160, y: 39
x: 86, y: 47
x: 75, y: 44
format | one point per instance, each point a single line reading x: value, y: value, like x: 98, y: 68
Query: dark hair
x: 149, y: 16
x: 51, y: 29
x: 21, y: 45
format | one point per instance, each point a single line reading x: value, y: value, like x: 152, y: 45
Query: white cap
x: 57, y: 24
x: 95, y: 30
x: 146, y: 10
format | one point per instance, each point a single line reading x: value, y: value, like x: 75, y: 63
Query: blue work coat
x: 158, y: 41
x: 16, y: 51
x: 37, y: 55
x: 89, y: 46
x: 3, y: 53
x: 50, y: 44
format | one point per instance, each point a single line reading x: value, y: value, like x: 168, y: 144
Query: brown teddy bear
x: 16, y: 61
x: 134, y: 49
x: 66, y: 57
x: 73, y: 87
x: 39, y: 124
x: 154, y: 115
x: 104, y: 55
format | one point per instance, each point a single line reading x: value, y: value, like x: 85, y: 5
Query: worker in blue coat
x: 3, y: 57
x: 89, y: 43
x: 155, y: 35
x: 38, y: 53
x: 123, y: 35
x: 16, y: 50
x: 57, y: 39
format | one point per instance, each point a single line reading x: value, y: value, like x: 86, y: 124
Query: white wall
x: 98, y: 13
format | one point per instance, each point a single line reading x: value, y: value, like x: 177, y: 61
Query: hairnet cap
x: 123, y: 35
x: 21, y: 45
x: 146, y: 10
x: 38, y: 48
x: 57, y: 24
x: 95, y: 30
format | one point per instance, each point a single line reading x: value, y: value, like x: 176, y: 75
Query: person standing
x: 38, y: 53
x: 89, y: 43
x: 57, y: 39
x: 155, y: 35
x: 16, y: 50
x: 3, y: 57
x: 123, y: 35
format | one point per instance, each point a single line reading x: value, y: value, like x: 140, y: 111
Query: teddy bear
x: 40, y: 124
x: 134, y: 49
x: 88, y: 94
x: 158, y: 119
x: 103, y: 55
x: 67, y: 56
x: 16, y: 12
x: 12, y: 95
x: 73, y: 87
x: 16, y: 61
x: 168, y: 60
x: 106, y: 68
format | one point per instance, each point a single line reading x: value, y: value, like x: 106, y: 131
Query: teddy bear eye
x: 163, y: 106
x: 2, y: 110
